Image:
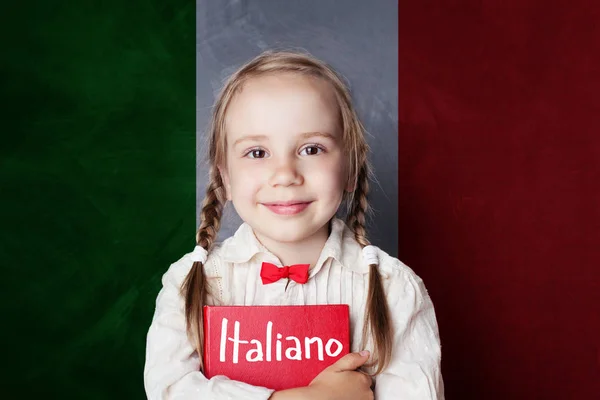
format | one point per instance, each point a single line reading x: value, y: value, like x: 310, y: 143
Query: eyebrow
x: 326, y: 135
x: 249, y: 137
x: 305, y: 135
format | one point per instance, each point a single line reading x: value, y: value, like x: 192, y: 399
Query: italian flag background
x: 498, y: 188
x: 98, y: 187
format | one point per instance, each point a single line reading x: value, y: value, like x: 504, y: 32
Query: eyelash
x: 250, y: 151
x: 317, y: 146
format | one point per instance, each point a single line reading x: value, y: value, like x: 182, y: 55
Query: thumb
x: 351, y: 361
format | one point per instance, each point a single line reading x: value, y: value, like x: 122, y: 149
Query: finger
x: 367, y: 379
x: 351, y: 361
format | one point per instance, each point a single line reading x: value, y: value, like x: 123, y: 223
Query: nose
x: 286, y: 174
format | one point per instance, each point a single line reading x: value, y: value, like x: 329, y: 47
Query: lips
x: 287, y: 207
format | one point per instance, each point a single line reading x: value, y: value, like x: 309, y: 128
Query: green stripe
x: 98, y: 187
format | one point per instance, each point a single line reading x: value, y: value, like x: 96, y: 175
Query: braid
x: 377, y: 323
x: 194, y: 288
x: 360, y: 207
x: 212, y: 210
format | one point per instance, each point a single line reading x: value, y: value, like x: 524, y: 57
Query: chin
x: 286, y: 231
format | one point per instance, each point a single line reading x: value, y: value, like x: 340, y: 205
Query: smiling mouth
x: 287, y: 207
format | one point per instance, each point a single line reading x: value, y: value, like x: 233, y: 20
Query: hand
x: 341, y: 381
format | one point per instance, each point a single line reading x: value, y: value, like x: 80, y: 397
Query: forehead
x: 282, y: 104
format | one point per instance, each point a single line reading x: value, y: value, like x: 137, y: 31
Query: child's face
x: 285, y: 170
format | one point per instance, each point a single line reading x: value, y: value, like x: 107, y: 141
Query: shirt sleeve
x: 414, y: 371
x: 172, y: 365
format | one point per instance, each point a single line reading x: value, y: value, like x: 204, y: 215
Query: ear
x: 226, y: 182
x: 351, y: 185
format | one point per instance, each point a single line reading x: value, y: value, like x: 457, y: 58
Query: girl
x: 287, y: 150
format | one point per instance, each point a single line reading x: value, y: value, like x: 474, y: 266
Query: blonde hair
x: 377, y: 324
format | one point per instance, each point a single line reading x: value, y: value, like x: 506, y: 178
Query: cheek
x: 329, y: 174
x: 244, y: 180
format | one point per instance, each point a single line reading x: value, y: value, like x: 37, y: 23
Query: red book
x: 278, y: 347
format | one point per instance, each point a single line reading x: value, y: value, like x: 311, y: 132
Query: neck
x: 306, y: 251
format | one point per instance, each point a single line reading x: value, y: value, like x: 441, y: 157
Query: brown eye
x: 311, y: 150
x: 257, y: 153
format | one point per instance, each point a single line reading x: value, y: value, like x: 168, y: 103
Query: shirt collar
x: 340, y: 246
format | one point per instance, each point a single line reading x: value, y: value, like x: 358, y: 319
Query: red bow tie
x: 271, y: 273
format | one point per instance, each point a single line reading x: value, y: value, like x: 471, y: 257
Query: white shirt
x: 340, y: 276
